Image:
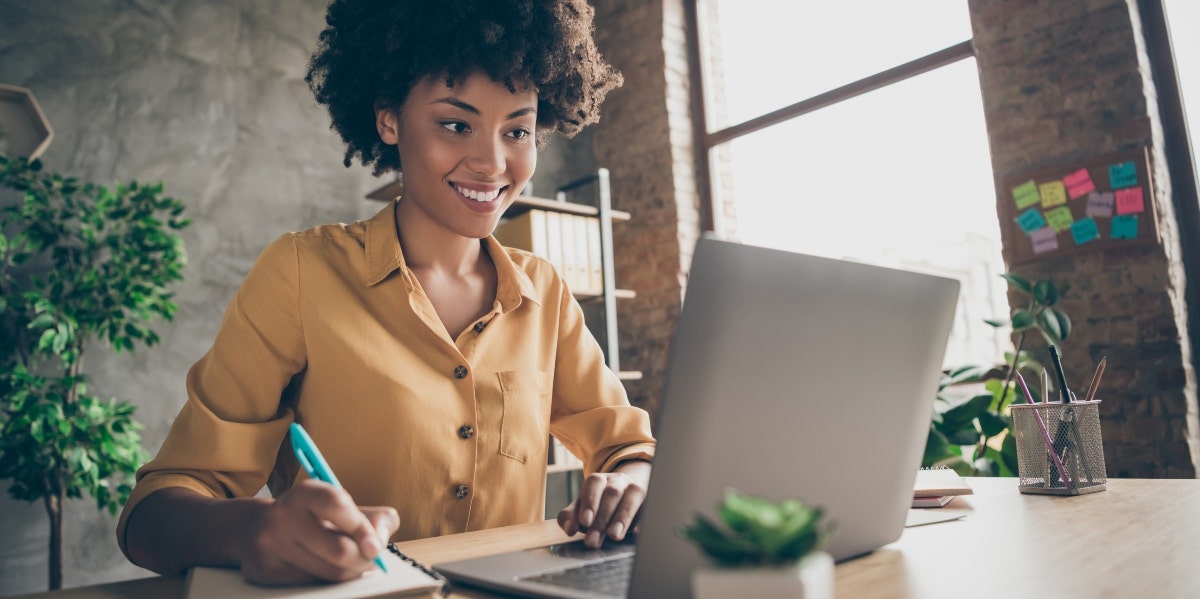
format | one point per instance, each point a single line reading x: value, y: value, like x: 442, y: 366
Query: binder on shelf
x: 554, y: 241
x: 595, y: 274
x: 570, y: 242
x: 527, y: 232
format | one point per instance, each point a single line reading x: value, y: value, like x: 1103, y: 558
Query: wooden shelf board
x: 524, y: 204
x: 552, y: 468
x: 595, y: 296
x: 630, y: 375
x: 386, y: 193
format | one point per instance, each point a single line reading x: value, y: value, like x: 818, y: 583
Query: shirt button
x: 480, y: 326
x: 461, y: 491
x: 460, y: 372
x: 466, y: 432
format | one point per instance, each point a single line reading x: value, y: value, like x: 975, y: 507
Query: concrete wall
x: 1066, y: 81
x: 209, y: 98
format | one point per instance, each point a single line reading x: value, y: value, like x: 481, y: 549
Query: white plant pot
x: 810, y: 578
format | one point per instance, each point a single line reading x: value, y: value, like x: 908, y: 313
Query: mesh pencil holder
x: 1059, y: 449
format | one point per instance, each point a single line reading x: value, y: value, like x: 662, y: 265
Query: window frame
x: 707, y: 141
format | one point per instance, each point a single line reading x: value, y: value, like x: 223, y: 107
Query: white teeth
x: 478, y: 196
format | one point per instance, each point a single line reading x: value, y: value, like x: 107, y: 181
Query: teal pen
x: 314, y: 464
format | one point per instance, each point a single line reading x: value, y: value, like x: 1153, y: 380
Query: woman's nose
x: 487, y: 157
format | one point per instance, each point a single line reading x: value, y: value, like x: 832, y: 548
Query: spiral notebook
x: 404, y: 578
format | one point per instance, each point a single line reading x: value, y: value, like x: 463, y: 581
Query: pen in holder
x: 1059, y: 449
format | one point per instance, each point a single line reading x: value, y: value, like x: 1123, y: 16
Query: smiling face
x: 466, y: 151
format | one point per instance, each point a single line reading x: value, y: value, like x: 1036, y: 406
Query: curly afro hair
x: 372, y: 52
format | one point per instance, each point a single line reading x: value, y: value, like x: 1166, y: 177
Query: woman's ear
x: 387, y: 123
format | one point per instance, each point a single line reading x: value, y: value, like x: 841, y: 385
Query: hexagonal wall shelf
x: 24, y: 130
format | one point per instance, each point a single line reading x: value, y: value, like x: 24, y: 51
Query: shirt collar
x: 383, y: 255
x: 382, y: 245
x: 512, y: 283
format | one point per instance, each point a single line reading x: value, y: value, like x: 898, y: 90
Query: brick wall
x: 1064, y: 81
x: 645, y: 139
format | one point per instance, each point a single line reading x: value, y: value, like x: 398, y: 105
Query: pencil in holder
x: 1059, y: 449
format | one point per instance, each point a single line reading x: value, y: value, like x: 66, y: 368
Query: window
x: 899, y: 176
x: 1187, y: 60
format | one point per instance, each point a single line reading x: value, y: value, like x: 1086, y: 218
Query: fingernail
x: 383, y: 534
x: 616, y: 530
x: 585, y: 517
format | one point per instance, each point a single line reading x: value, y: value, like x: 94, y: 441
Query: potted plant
x: 972, y: 435
x: 763, y: 549
x: 78, y: 262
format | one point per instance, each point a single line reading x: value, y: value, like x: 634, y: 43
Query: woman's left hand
x: 608, y: 503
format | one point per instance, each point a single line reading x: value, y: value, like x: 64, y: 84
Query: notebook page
x: 402, y: 579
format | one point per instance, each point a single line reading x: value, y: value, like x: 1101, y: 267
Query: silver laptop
x: 791, y: 376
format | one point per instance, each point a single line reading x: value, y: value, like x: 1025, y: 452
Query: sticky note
x: 1053, y: 194
x: 1100, y: 203
x: 1085, y: 230
x: 1026, y: 194
x: 1060, y: 219
x: 1130, y: 201
x: 1124, y: 226
x: 1079, y: 184
x: 1031, y: 220
x: 1044, y: 240
x: 1123, y: 174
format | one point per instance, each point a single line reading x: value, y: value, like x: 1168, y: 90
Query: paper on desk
x: 402, y: 579
x: 923, y: 517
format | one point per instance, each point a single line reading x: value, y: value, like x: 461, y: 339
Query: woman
x: 427, y: 362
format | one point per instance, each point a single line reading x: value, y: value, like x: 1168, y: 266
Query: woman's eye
x: 519, y: 133
x: 455, y: 126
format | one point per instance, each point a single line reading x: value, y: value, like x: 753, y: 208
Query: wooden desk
x: 1141, y: 538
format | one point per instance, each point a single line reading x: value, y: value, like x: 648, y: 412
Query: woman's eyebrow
x: 523, y: 112
x: 455, y: 102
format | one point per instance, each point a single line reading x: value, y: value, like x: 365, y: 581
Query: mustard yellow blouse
x: 332, y: 330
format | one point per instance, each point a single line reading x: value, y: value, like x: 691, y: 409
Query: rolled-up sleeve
x: 226, y: 438
x: 591, y: 415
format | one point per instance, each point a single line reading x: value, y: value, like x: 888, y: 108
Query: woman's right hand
x: 314, y: 532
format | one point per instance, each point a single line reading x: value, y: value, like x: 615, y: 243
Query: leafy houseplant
x: 974, y: 435
x: 77, y: 261
x: 760, y: 533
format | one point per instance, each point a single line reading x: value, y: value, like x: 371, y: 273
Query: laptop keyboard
x: 609, y: 577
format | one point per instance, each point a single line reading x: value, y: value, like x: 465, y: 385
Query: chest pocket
x: 525, y: 425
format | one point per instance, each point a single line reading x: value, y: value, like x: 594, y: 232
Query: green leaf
x: 1045, y: 293
x: 1008, y: 454
x: 966, y: 435
x: 965, y: 374
x: 1054, y: 324
x: 1022, y: 319
x: 1019, y: 282
x: 993, y: 424
x: 47, y: 340
x: 995, y: 322
x: 716, y: 544
x: 936, y: 447
x: 964, y: 413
